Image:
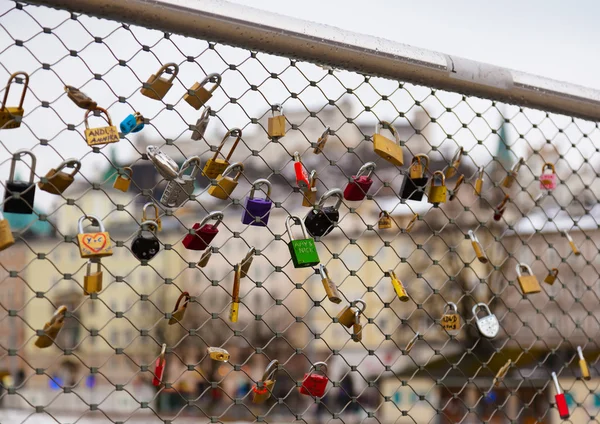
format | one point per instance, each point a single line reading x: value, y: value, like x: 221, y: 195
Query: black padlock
x: 321, y: 221
x: 413, y: 185
x: 19, y: 195
x: 145, y: 248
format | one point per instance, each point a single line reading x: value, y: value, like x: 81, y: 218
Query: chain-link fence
x: 139, y: 337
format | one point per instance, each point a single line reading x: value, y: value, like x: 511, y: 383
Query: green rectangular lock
x: 303, y: 252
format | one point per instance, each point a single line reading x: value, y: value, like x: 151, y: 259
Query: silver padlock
x: 165, y: 166
x: 488, y: 326
x: 201, y: 124
x: 180, y: 189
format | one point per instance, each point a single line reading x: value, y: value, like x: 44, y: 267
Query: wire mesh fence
x: 454, y: 269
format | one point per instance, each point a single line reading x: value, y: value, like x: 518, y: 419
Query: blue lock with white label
x: 132, y: 124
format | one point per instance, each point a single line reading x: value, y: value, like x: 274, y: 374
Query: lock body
x: 159, y: 370
x: 180, y: 308
x: 132, y: 123
x: 450, y: 322
x: 198, y: 96
x: 94, y: 245
x: 357, y: 328
x: 224, y: 187
x: 6, y: 237
x: 276, y: 126
x: 156, y: 87
x: 358, y: 188
x: 50, y: 333
x: 214, y: 167
x: 260, y: 395
x: 551, y: 277
x: 437, y: 194
x: 92, y: 281
x: 202, y: 237
x: 413, y: 188
x: 177, y: 192
x: 388, y: 149
x: 479, y: 252
x: 346, y: 317
x: 145, y: 248
x: 399, y: 289
x: 304, y: 253
x: 101, y: 135
x: 331, y: 290
x: 529, y: 284
x: 26, y: 195
x: 319, y: 223
x: 218, y: 354
x: 385, y: 221
x: 257, y: 211
x: 58, y: 182
x: 488, y: 326
x: 314, y: 384
x: 122, y: 184
x: 11, y: 117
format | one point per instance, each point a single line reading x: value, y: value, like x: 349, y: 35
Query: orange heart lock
x: 93, y: 245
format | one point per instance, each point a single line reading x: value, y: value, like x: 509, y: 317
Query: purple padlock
x: 548, y: 180
x: 256, y: 211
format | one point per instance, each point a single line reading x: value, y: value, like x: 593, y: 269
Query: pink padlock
x: 548, y: 180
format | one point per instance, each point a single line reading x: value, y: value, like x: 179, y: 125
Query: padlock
x: 197, y: 95
x: 218, y: 354
x: 360, y: 185
x: 205, y: 258
x: 215, y: 166
x: 386, y: 148
x: 257, y: 211
x: 202, y: 124
x: 159, y: 366
x: 437, y: 188
x: 276, y: 123
x: 551, y: 277
x: 58, y: 181
x: 398, y: 287
x: 93, y: 245
x: 411, y: 223
x: 413, y: 185
x: 92, y: 281
x: 10, y: 117
x: 100, y: 135
x: 302, y: 180
x: 144, y: 248
x: 329, y: 285
x: 322, y: 220
x: 454, y: 191
x: 572, y: 243
x: 179, y: 190
x: 314, y: 384
x: 499, y: 210
x: 488, y: 326
x: 385, y: 220
x: 156, y: 87
x: 321, y: 142
x: 234, y: 308
x: 155, y: 218
x: 165, y: 166
x: 450, y: 320
x: 225, y: 185
x: 528, y: 283
x: 20, y: 195
x: 548, y: 181
x: 346, y: 315
x: 583, y: 366
x: 512, y: 174
x: 180, y: 308
x: 452, y: 170
x: 262, y: 390
x: 303, y: 252
x: 502, y: 373
x: 80, y: 98
x: 123, y: 180
x: 51, y: 328
x: 204, y: 233
x: 132, y: 124
x: 560, y: 399
x: 412, y: 342
x: 309, y: 194
x: 479, y: 182
x: 6, y: 236
x: 357, y: 328
x: 479, y: 252
x: 246, y: 262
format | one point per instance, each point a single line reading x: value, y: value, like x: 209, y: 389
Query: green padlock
x: 304, y: 252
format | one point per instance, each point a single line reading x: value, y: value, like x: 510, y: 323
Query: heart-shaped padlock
x: 145, y: 248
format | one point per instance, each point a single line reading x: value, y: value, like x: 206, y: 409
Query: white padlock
x: 488, y: 326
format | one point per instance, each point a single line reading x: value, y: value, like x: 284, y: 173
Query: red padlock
x: 314, y: 384
x: 204, y: 233
x: 357, y: 189
x: 499, y: 211
x: 301, y: 174
x: 159, y: 368
x: 548, y: 180
x: 561, y: 401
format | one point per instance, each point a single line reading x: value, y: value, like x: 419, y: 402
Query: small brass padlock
x: 101, y: 135
x: 330, y: 287
x: 583, y: 366
x: 224, y: 184
x: 411, y: 223
x: 513, y: 174
x: 199, y: 129
x: 6, y: 237
x: 452, y: 170
x: 386, y: 148
x: 179, y: 310
x: 156, y: 87
x: 92, y: 281
x: 51, y: 328
x: 246, y: 262
x: 123, y: 180
x: 479, y: 252
x: 262, y: 390
x: 385, y: 220
x: 572, y: 244
x: 215, y: 165
x: 93, y: 245
x: 398, y: 287
x: 218, y: 354
x: 457, y: 186
x: 346, y: 315
x: 450, y: 320
x: 479, y: 181
x: 205, y: 258
x: 551, y: 277
x: 10, y: 117
x: 529, y: 283
x: 502, y: 373
x: 412, y: 342
x: 154, y: 218
x: 357, y: 328
x: 197, y: 95
x: 80, y: 98
x: 321, y: 142
x: 276, y: 123
x: 58, y: 181
x: 499, y: 210
x: 437, y: 188
x: 309, y: 198
x: 234, y: 309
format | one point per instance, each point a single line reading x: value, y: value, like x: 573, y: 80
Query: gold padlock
x: 437, y: 188
x: 6, y: 237
x: 246, y: 262
x: 79, y: 98
x: 262, y: 390
x: 499, y: 210
x: 218, y: 354
x: 92, y: 281
x: 234, y: 309
x: 224, y: 183
x: 529, y: 283
x: 572, y: 244
x: 100, y: 135
x: 276, y: 123
x: 479, y: 252
x: 479, y: 182
x: 321, y: 142
x: 513, y: 174
x: 398, y: 287
x: 10, y: 117
x: 329, y: 285
x: 551, y: 277
x: 215, y: 166
x: 93, y: 245
x: 197, y: 96
x: 502, y: 373
x: 458, y: 184
x: 346, y: 315
x: 357, y: 328
x: 52, y: 328
x: 411, y: 223
x: 155, y: 218
x: 450, y: 321
x: 412, y: 342
x: 156, y: 87
x: 583, y: 367
x: 386, y: 148
x: 453, y: 168
x: 385, y: 220
x: 205, y: 258
x: 58, y: 181
x: 121, y: 183
x: 309, y: 198
x: 179, y: 310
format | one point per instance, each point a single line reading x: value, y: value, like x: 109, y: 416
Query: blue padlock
x: 132, y: 124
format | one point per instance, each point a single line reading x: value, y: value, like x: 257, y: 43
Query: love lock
x: 321, y: 221
x: 93, y: 245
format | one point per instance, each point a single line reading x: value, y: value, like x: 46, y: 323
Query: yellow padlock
x: 215, y: 166
x: 93, y: 245
x: 551, y: 277
x: 453, y: 168
x: 156, y: 87
x: 479, y: 182
x: 205, y: 258
x: 262, y: 390
x: 197, y: 96
x: 6, y: 237
x: 225, y: 185
x: 412, y: 342
x: 529, y: 283
x: 121, y: 182
x: 450, y: 321
x: 572, y: 244
x: 457, y: 186
x: 502, y: 373
x: 357, y: 328
x: 58, y: 181
x: 246, y: 262
x: 329, y: 285
x: 155, y: 218
x: 234, y: 309
x: 385, y: 220
x: 583, y: 367
x: 386, y: 148
x: 398, y: 287
x: 52, y: 328
x: 100, y: 135
x: 92, y: 281
x: 276, y: 123
x: 179, y: 310
x: 513, y: 174
x: 309, y: 198
x: 437, y: 188
x: 411, y: 223
x: 346, y: 315
x: 479, y: 252
x: 218, y: 354
x: 10, y: 117
x: 321, y: 142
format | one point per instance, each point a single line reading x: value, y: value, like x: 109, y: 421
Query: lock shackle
x: 420, y: 159
x: 568, y: 236
x: 212, y: 78
x: 88, y: 270
x: 277, y: 108
x: 148, y: 225
x: 234, y: 132
x: 80, y: 98
x: 367, y: 167
x: 70, y: 163
x: 163, y: 352
x: 258, y: 183
x: 502, y: 205
x: 412, y: 222
x: 184, y: 295
x: 270, y: 370
x: 457, y: 157
x: 321, y: 365
x: 194, y: 162
x: 550, y: 166
x: 334, y: 192
x: 438, y: 179
x: 580, y: 353
x: 324, y: 272
x: 12, y: 77
x: 164, y: 68
x: 93, y: 219
x: 554, y: 272
x: 13, y: 164
x: 165, y: 166
x: 412, y: 341
x: 357, y: 316
x: 239, y: 166
x: 523, y: 267
x: 312, y: 178
x: 555, y: 379
x: 480, y: 305
x: 479, y: 173
x: 362, y: 302
x: 325, y: 135
x: 146, y: 206
x: 59, y: 315
x: 452, y: 306
x: 295, y: 221
x: 218, y: 216
x: 473, y: 237
x: 99, y: 109
x: 205, y: 115
x: 517, y: 166
x: 390, y: 127
x: 384, y: 213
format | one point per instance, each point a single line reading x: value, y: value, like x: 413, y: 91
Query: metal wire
x: 102, y: 364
